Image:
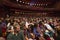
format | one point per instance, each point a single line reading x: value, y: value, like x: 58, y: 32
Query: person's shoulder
x: 10, y: 35
x: 21, y: 31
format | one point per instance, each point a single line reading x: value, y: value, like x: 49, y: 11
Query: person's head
x: 17, y: 28
x: 32, y: 35
x: 35, y: 25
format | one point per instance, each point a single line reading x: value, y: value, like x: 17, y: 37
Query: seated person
x: 17, y: 35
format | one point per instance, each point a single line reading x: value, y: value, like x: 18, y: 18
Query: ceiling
x: 38, y: 6
x: 50, y: 5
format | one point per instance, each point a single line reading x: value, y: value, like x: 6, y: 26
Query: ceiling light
x: 23, y: 2
x: 34, y: 4
x: 37, y: 4
x: 28, y: 3
x: 41, y: 4
x: 17, y: 0
x: 20, y: 1
x: 46, y: 4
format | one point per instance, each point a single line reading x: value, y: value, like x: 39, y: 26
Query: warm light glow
x: 28, y: 3
x: 17, y: 0
x: 23, y: 2
x: 39, y: 4
x: 20, y: 1
x: 35, y: 4
x: 46, y: 4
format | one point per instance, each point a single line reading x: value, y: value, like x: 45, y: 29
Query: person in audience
x: 17, y: 35
x: 30, y: 28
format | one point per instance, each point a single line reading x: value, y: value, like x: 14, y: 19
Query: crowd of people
x: 30, y: 28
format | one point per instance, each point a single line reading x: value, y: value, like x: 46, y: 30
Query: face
x: 17, y: 28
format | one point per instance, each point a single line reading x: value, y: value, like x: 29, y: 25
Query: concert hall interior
x: 29, y: 19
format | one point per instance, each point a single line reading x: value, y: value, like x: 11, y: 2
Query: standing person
x: 18, y: 34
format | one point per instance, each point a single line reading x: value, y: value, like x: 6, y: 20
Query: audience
x: 33, y: 28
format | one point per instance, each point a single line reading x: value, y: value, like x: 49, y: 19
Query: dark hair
x: 14, y: 28
x: 35, y: 25
x: 12, y: 23
x: 40, y: 23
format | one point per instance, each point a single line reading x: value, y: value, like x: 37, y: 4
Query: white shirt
x: 49, y: 27
x: 8, y: 24
x: 26, y: 24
